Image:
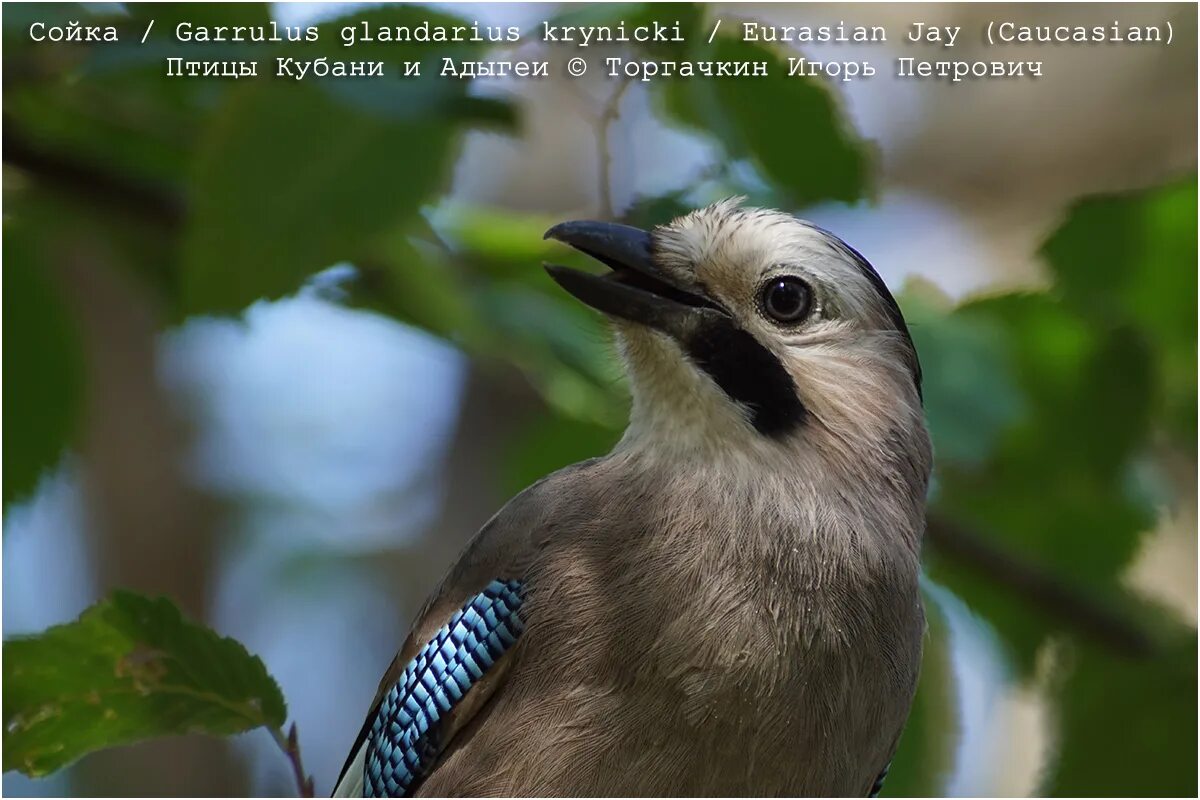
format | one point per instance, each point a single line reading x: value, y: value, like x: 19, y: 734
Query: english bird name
x: 841, y: 33
x: 996, y: 32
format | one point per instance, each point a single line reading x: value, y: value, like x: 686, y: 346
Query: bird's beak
x: 636, y: 290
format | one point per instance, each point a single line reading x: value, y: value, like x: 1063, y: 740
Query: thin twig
x: 608, y: 115
x: 290, y: 745
x: 1068, y: 603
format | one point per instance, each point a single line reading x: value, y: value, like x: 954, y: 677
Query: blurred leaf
x: 1130, y: 260
x: 1077, y: 512
x: 345, y: 170
x: 1065, y: 487
x: 790, y: 127
x: 269, y: 210
x: 43, y: 365
x: 475, y: 277
x: 190, y: 21
x: 417, y: 283
x: 111, y: 105
x: 130, y: 668
x: 551, y: 443
x: 396, y: 96
x: 562, y: 346
x: 1128, y: 726
x: 1062, y: 487
x: 502, y: 244
x: 971, y: 394
x: 114, y: 123
x: 646, y: 212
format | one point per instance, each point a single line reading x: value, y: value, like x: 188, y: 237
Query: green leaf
x: 1130, y: 260
x: 970, y: 388
x: 270, y: 210
x: 397, y: 95
x: 474, y: 277
x: 563, y: 347
x: 646, y: 212
x: 502, y: 244
x: 1057, y: 488
x: 416, y: 282
x: 549, y: 443
x: 108, y: 106
x: 790, y: 128
x: 130, y: 668
x: 43, y: 365
x: 1128, y: 725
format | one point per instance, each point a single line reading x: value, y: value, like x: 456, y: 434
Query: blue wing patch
x: 877, y: 787
x: 403, y: 742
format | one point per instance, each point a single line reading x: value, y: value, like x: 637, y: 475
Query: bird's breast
x: 681, y: 641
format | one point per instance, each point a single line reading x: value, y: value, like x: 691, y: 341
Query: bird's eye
x: 786, y: 299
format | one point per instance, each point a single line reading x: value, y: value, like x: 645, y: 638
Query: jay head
x: 765, y: 347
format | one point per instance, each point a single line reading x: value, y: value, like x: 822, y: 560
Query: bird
x: 727, y: 603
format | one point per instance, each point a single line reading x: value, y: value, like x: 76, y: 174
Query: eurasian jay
x: 725, y: 604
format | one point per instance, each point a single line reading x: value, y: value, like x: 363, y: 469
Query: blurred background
x: 276, y: 348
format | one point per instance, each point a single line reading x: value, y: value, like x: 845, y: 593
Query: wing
x: 482, y: 577
x: 436, y: 693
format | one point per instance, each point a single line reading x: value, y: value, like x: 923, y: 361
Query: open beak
x: 636, y: 289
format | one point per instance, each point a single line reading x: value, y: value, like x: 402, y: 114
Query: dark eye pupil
x: 787, y: 299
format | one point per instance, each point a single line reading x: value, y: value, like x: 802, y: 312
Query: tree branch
x: 1069, y: 604
x: 290, y: 745
x: 91, y: 182
x: 608, y: 115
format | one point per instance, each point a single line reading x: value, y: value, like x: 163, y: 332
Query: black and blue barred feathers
x: 403, y: 742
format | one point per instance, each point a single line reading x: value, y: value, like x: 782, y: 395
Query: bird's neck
x: 882, y: 486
